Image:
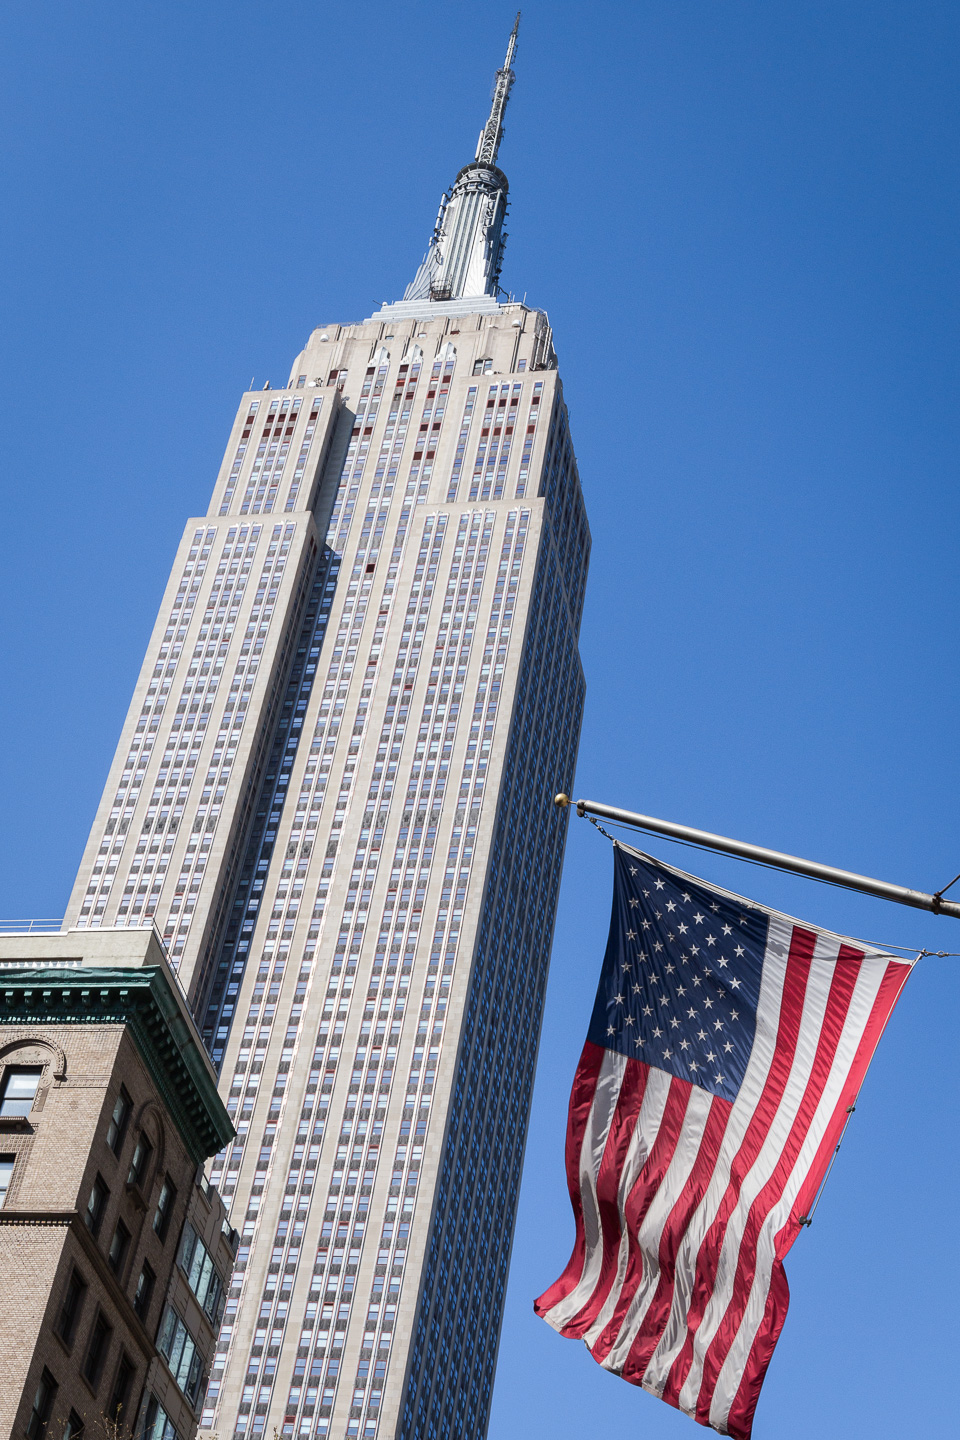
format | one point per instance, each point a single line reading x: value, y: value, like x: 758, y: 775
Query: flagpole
x: 882, y: 889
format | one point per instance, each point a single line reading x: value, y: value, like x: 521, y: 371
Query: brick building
x: 115, y: 1254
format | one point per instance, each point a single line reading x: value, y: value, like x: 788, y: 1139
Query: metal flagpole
x: 775, y: 858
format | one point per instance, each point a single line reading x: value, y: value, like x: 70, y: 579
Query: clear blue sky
x: 743, y: 220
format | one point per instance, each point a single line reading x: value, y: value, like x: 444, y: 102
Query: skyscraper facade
x: 333, y: 795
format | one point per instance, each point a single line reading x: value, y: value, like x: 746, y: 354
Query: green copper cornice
x: 141, y: 999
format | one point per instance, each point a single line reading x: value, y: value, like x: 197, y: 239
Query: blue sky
x: 743, y: 219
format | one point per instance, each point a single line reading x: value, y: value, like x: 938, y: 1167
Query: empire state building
x: 333, y: 796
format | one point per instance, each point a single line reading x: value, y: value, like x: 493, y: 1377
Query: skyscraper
x: 333, y: 794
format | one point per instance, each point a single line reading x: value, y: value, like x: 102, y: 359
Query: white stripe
x: 815, y: 998
x: 605, y: 1097
x: 644, y: 1136
x: 651, y: 1229
x: 861, y: 1005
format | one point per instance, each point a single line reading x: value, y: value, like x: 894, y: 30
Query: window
x: 117, y: 1128
x: 144, y: 1291
x: 6, y: 1175
x: 140, y: 1164
x: 165, y: 1204
x: 73, y: 1299
x: 96, y: 1205
x: 157, y: 1424
x: 119, y: 1246
x: 97, y: 1349
x: 203, y: 1276
x: 179, y: 1349
x: 121, y: 1389
x: 73, y: 1430
x: 42, y: 1405
x: 19, y: 1090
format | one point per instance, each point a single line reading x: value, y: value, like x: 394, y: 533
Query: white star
x: 718, y: 1024
x: 715, y: 907
x: 610, y: 1030
x: 696, y: 979
x: 669, y: 969
x: 699, y: 918
x: 711, y: 939
x: 671, y: 904
x: 667, y: 1053
x: 646, y: 1010
x: 743, y: 919
x: 631, y: 934
x: 728, y: 929
x: 634, y: 902
x: 659, y: 884
x: 710, y: 1056
x: 674, y: 1023
x: 681, y: 929
x: 701, y: 1034
x: 646, y: 924
x: 618, y: 999
x: 657, y: 1032
x: 694, y: 949
x: 658, y: 945
x: 633, y: 869
x: 722, y: 963
x: 647, y: 894
x: 693, y: 1064
x: 734, y: 983
x: 728, y: 1047
x: 664, y: 999
x: 718, y: 1079
x: 739, y: 950
x: 734, y: 1015
x: 708, y: 1003
x: 629, y: 1020
x: 638, y: 989
x: 686, y: 897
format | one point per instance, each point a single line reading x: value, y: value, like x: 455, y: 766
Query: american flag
x: 725, y: 1052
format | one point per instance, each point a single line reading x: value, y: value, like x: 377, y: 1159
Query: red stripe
x: 802, y: 944
x: 608, y: 1183
x: 740, y: 1419
x: 581, y: 1099
x: 842, y: 986
x: 674, y: 1230
x: 641, y: 1196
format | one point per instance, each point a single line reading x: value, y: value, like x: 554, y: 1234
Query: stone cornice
x: 141, y: 999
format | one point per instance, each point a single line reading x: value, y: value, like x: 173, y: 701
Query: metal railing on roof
x: 30, y: 927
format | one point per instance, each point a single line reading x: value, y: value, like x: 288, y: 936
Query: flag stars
x: 657, y: 1032
x: 701, y: 1034
x: 646, y: 1009
x: 682, y: 929
x: 711, y: 939
x: 727, y: 1047
x: 686, y: 897
x: 717, y: 1024
x: 671, y: 905
x: 734, y: 983
x: 738, y: 950
x: 659, y: 884
x: 728, y: 929
x: 698, y: 918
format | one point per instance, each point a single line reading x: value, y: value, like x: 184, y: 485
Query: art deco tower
x: 334, y: 796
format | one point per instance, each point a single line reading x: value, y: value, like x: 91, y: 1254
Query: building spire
x: 492, y: 134
x: 466, y: 248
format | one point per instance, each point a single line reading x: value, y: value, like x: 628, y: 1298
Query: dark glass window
x: 117, y: 1128
x: 19, y: 1089
x: 97, y: 1349
x: 144, y: 1291
x: 140, y: 1164
x: 165, y: 1204
x: 122, y: 1385
x: 99, y: 1195
x: 73, y: 1430
x: 43, y: 1400
x: 73, y: 1299
x: 119, y: 1246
